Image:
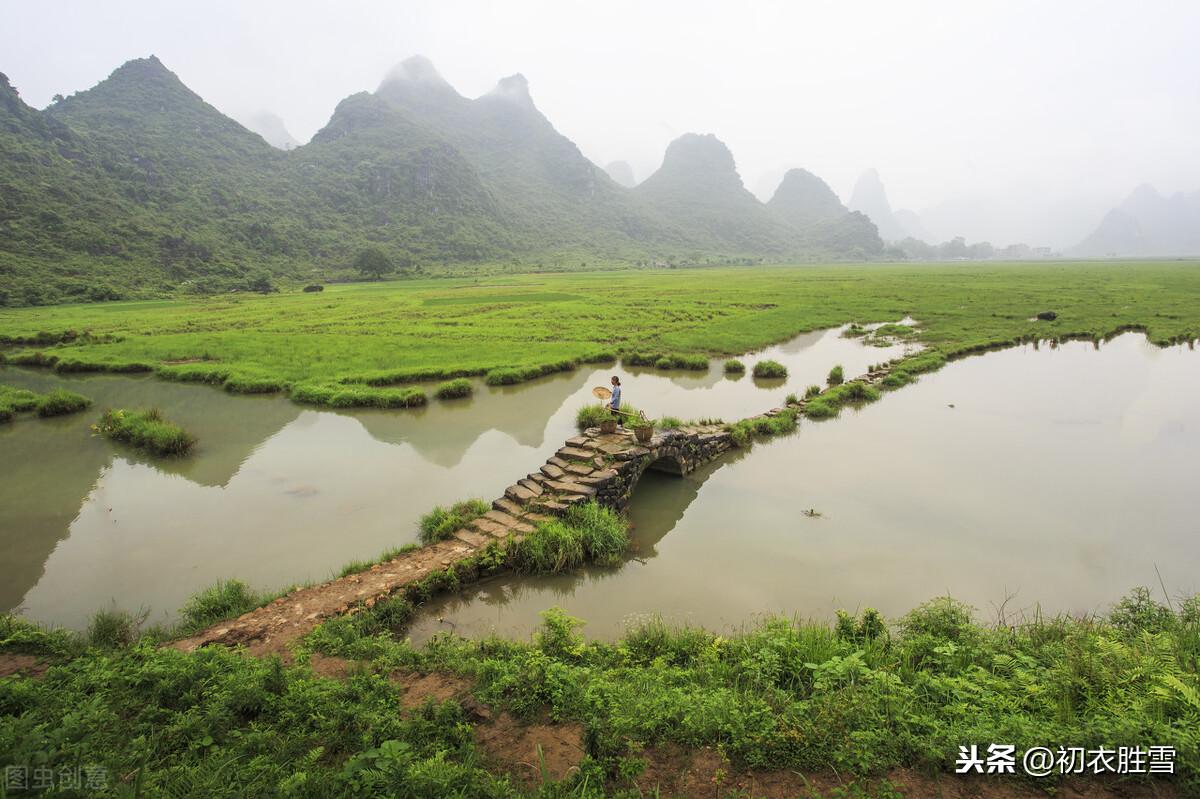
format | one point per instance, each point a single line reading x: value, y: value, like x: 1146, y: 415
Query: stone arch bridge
x: 605, y: 467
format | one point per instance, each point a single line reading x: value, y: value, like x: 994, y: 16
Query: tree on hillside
x: 373, y: 262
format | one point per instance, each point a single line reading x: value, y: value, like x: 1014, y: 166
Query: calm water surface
x: 277, y: 493
x: 1054, y: 477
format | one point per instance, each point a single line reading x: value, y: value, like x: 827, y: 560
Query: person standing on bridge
x: 614, y: 402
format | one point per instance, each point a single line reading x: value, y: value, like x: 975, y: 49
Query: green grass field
x: 394, y: 332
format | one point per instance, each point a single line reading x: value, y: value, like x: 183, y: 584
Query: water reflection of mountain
x: 443, y: 432
x: 59, y: 465
x: 61, y: 462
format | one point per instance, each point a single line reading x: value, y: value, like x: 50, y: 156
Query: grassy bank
x: 858, y: 697
x: 59, y: 402
x: 352, y: 341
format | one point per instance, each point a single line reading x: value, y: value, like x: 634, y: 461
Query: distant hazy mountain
x: 272, y: 129
x: 869, y: 197
x: 807, y: 203
x: 138, y: 186
x: 1147, y: 224
x: 622, y: 173
x: 698, y: 190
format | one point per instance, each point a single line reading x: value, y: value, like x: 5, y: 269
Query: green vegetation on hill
x: 352, y: 344
x: 138, y: 188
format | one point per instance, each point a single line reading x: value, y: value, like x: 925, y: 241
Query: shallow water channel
x: 277, y: 493
x: 1043, y: 477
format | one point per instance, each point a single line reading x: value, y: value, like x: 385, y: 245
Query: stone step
x: 574, y: 453
x: 500, y: 517
x: 554, y: 460
x: 580, y: 468
x: 580, y: 441
x: 531, y: 486
x: 535, y: 518
x: 552, y: 471
x: 552, y: 506
x: 492, y: 528
x: 538, y: 478
x: 508, y: 506
x: 519, y: 494
x: 570, y: 487
x: 471, y: 537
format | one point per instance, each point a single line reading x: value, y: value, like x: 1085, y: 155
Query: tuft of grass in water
x: 829, y: 404
x: 341, y: 395
x: 812, y: 391
x: 18, y: 400
x: 587, y: 531
x: 454, y: 389
x: 440, y: 523
x: 734, y: 367
x: 906, y: 371
x: 836, y: 376
x: 745, y: 431
x: 892, y: 330
x: 146, y: 430
x: 61, y: 402
x: 791, y: 399
x: 770, y: 369
x: 225, y: 599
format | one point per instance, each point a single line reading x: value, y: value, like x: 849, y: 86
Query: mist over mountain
x: 137, y: 186
x: 869, y: 197
x: 622, y: 173
x: 271, y: 128
x: 806, y: 203
x: 1147, y: 224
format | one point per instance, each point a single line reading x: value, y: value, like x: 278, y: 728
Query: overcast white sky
x: 1025, y: 120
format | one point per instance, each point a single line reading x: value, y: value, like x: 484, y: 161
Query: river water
x: 277, y: 493
x: 1031, y: 478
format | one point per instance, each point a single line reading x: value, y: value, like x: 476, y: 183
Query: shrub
x: 440, y: 523
x: 113, y: 629
x: 1138, y: 612
x: 551, y: 547
x: 592, y: 416
x: 770, y: 369
x: 316, y: 287
x: 145, y: 430
x: 836, y: 376
x: 734, y: 367
x: 605, y: 536
x: 225, y: 599
x: 453, y: 389
x: 61, y: 402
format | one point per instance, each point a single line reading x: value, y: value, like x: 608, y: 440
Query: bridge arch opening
x: 668, y: 464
